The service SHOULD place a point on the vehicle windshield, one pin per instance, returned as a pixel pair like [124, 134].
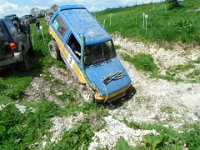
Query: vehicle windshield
[98, 53]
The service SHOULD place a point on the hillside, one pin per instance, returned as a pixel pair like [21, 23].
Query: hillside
[43, 109]
[163, 24]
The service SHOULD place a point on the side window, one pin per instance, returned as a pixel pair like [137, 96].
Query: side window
[2, 35]
[75, 46]
[59, 25]
[11, 28]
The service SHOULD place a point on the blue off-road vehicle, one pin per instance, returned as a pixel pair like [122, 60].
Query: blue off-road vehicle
[89, 52]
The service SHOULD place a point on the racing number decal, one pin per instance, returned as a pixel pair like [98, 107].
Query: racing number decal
[70, 61]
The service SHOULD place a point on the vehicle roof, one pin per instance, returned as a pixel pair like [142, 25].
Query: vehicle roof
[11, 15]
[83, 23]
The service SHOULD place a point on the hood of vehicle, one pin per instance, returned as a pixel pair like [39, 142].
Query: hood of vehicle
[108, 76]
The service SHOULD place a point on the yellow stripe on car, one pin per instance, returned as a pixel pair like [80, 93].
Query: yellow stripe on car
[101, 98]
[65, 53]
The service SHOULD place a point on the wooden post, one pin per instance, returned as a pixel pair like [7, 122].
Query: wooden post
[143, 16]
[104, 22]
[110, 20]
[42, 34]
[146, 17]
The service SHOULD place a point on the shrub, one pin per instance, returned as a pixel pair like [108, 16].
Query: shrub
[174, 4]
[122, 144]
[79, 137]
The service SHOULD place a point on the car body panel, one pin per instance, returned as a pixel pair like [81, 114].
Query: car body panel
[67, 57]
[98, 73]
[80, 22]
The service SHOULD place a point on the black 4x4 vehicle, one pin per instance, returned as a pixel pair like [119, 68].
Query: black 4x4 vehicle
[31, 18]
[14, 45]
[13, 17]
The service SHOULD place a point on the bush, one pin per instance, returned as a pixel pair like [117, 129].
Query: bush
[174, 4]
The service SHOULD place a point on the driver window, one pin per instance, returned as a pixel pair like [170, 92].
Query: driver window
[75, 46]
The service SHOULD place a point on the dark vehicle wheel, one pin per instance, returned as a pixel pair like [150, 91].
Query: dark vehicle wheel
[53, 49]
[25, 64]
[86, 94]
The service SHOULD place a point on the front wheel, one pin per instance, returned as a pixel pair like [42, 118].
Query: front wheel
[53, 49]
[87, 94]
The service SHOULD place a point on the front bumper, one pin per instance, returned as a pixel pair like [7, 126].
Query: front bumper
[113, 96]
[16, 58]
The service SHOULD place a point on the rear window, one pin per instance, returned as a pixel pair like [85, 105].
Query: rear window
[3, 34]
[12, 29]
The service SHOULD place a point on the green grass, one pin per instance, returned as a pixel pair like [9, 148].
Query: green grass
[168, 138]
[13, 82]
[122, 144]
[143, 62]
[79, 137]
[172, 72]
[19, 131]
[174, 25]
[22, 131]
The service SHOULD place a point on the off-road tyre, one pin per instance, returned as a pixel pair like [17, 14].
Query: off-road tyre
[25, 64]
[54, 50]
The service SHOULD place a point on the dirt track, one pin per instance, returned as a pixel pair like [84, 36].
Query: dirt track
[155, 100]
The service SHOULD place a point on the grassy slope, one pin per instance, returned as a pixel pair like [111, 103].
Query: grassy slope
[174, 25]
[19, 131]
[13, 81]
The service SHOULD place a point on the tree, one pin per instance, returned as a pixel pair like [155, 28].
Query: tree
[54, 8]
[173, 4]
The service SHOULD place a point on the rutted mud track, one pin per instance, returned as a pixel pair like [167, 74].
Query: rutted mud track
[156, 100]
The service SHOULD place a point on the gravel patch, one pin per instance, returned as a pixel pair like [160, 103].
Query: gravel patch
[60, 80]
[21, 108]
[63, 124]
[165, 58]
[2, 106]
[38, 89]
[107, 137]
[155, 94]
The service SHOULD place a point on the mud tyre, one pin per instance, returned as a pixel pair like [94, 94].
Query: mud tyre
[25, 64]
[87, 94]
[54, 50]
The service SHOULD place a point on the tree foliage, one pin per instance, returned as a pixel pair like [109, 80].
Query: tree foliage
[174, 4]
